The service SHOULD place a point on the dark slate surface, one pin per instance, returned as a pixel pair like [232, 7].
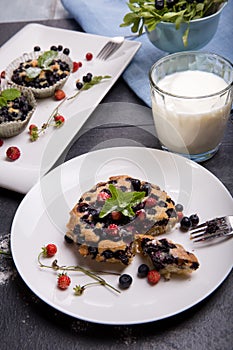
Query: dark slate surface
[28, 323]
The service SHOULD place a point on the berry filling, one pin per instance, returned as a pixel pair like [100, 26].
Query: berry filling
[58, 70]
[17, 109]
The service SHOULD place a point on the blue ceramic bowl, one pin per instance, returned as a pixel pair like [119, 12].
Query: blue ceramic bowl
[167, 38]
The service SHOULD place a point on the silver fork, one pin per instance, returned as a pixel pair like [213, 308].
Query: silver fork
[216, 228]
[110, 48]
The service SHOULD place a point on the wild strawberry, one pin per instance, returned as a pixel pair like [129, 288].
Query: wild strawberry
[75, 66]
[1, 142]
[59, 120]
[116, 215]
[153, 276]
[32, 127]
[102, 196]
[63, 281]
[151, 202]
[3, 74]
[59, 94]
[141, 214]
[113, 230]
[49, 250]
[180, 216]
[13, 153]
[33, 131]
[89, 56]
[80, 64]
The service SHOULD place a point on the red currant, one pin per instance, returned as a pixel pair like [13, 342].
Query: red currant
[89, 56]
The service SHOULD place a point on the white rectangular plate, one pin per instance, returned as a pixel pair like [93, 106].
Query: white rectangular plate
[37, 158]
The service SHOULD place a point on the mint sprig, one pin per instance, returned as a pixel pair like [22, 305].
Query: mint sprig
[44, 61]
[97, 79]
[34, 135]
[8, 95]
[121, 201]
[144, 13]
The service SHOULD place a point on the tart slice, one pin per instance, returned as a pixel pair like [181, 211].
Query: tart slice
[106, 218]
[166, 256]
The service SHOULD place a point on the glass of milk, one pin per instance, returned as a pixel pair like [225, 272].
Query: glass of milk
[191, 96]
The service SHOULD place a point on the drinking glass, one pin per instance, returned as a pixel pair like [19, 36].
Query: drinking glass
[189, 123]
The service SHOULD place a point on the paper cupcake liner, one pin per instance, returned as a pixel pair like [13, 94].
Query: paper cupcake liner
[13, 128]
[43, 92]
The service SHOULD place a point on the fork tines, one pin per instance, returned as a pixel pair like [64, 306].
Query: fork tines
[110, 48]
[209, 230]
[106, 51]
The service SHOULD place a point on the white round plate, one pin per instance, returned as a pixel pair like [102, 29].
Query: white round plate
[43, 214]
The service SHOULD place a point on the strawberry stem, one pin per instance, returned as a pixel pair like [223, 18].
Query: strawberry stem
[7, 253]
[86, 86]
[89, 273]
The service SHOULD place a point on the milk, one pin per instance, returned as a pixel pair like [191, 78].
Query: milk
[191, 123]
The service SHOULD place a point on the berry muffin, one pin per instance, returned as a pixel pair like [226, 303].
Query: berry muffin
[40, 72]
[16, 108]
[166, 256]
[107, 217]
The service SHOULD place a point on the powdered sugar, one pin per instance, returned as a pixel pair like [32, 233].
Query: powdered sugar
[7, 270]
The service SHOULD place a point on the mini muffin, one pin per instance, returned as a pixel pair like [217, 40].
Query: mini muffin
[40, 72]
[17, 106]
[108, 234]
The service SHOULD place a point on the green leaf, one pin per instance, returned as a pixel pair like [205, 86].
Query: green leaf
[121, 201]
[144, 11]
[33, 72]
[95, 80]
[3, 102]
[10, 94]
[185, 37]
[47, 58]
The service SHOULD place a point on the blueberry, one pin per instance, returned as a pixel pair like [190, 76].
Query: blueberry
[185, 223]
[66, 51]
[136, 184]
[93, 251]
[79, 85]
[125, 281]
[146, 188]
[82, 207]
[53, 48]
[170, 3]
[87, 78]
[159, 4]
[108, 254]
[194, 219]
[37, 48]
[60, 48]
[143, 270]
[179, 207]
[68, 239]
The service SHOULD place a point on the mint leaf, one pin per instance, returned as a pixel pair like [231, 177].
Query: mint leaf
[33, 72]
[47, 58]
[95, 80]
[3, 102]
[121, 201]
[10, 94]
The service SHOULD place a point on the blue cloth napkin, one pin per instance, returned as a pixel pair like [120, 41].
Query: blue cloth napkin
[103, 17]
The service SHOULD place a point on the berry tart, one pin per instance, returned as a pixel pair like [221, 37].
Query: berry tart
[166, 256]
[40, 72]
[107, 218]
[16, 108]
